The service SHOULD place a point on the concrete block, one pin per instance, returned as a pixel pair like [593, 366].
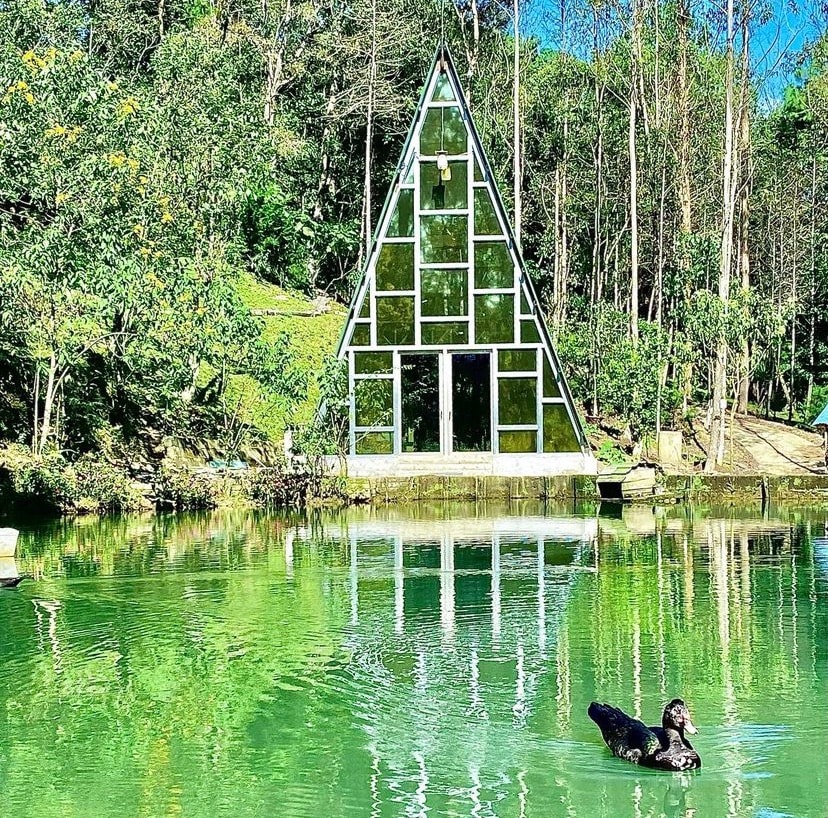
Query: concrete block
[670, 448]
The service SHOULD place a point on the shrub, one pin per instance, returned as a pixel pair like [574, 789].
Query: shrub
[819, 398]
[610, 452]
[274, 487]
[185, 490]
[103, 487]
[46, 481]
[51, 482]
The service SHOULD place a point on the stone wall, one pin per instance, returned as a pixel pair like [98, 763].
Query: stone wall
[672, 488]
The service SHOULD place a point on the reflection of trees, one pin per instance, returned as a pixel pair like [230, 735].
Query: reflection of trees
[161, 682]
[173, 682]
[710, 609]
[141, 544]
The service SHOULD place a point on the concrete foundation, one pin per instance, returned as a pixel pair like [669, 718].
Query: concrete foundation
[471, 464]
[722, 489]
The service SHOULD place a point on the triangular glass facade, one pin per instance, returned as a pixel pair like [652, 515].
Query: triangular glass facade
[446, 346]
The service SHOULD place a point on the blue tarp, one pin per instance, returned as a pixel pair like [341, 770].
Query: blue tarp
[822, 418]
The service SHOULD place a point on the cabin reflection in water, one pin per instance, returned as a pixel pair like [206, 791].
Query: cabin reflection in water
[441, 576]
[475, 638]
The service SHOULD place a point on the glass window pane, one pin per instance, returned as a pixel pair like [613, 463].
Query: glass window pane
[478, 173]
[550, 384]
[371, 362]
[518, 442]
[395, 267]
[517, 360]
[525, 309]
[493, 265]
[443, 239]
[444, 332]
[362, 335]
[529, 332]
[437, 193]
[485, 219]
[517, 401]
[375, 443]
[442, 90]
[558, 432]
[445, 292]
[494, 319]
[374, 402]
[402, 219]
[395, 320]
[443, 129]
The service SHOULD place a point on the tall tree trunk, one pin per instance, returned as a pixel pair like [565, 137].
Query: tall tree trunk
[812, 295]
[36, 416]
[683, 83]
[557, 290]
[631, 143]
[794, 297]
[48, 406]
[597, 243]
[715, 455]
[369, 137]
[561, 265]
[517, 170]
[662, 206]
[472, 48]
[744, 208]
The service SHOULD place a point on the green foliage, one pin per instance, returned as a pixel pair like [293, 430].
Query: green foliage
[102, 487]
[628, 382]
[275, 237]
[611, 453]
[278, 488]
[183, 489]
[50, 481]
[818, 401]
[165, 166]
[45, 481]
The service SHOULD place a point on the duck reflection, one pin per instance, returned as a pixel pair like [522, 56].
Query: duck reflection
[675, 798]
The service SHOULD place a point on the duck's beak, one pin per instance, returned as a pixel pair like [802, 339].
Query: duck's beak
[689, 726]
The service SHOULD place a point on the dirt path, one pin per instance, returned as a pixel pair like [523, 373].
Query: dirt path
[773, 448]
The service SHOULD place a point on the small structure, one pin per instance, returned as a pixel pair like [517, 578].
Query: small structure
[624, 483]
[821, 422]
[451, 369]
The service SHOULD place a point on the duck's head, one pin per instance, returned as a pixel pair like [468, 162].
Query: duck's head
[677, 716]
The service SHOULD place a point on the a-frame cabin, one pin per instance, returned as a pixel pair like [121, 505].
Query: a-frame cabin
[450, 366]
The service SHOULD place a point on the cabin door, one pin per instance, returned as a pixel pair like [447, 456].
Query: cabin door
[470, 402]
[420, 402]
[445, 402]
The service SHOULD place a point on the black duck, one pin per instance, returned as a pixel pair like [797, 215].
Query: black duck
[664, 748]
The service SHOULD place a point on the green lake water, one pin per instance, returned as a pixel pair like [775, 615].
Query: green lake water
[423, 661]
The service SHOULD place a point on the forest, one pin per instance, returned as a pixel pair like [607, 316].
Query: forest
[168, 166]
